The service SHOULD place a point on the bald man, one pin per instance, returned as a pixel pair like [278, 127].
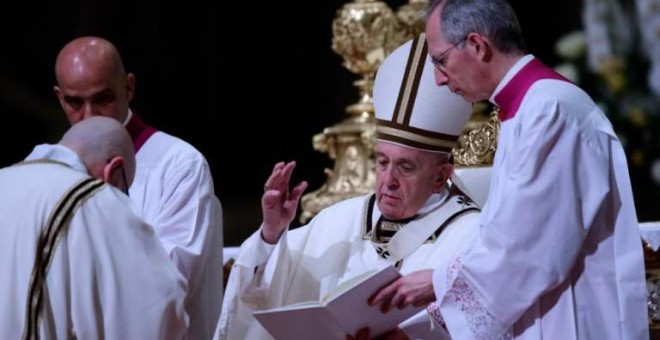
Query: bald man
[173, 188]
[75, 261]
[105, 149]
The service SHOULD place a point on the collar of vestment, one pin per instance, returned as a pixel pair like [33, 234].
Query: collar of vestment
[138, 130]
[56, 153]
[513, 87]
[426, 226]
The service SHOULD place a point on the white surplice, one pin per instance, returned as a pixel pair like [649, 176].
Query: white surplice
[109, 278]
[173, 191]
[559, 254]
[310, 261]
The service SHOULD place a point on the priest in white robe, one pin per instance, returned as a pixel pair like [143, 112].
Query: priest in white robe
[75, 261]
[413, 220]
[559, 254]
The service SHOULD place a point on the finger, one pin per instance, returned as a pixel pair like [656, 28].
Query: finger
[286, 174]
[388, 300]
[298, 191]
[385, 294]
[291, 203]
[397, 300]
[403, 304]
[278, 165]
[385, 307]
[424, 299]
[274, 178]
[270, 199]
[278, 179]
[277, 169]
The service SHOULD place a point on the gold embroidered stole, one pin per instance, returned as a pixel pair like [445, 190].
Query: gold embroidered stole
[413, 234]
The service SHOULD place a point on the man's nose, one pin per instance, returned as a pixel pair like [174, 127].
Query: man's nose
[89, 110]
[390, 176]
[440, 77]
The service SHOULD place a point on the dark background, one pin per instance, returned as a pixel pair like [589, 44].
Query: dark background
[194, 60]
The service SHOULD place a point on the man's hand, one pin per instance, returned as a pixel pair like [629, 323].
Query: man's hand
[278, 205]
[414, 289]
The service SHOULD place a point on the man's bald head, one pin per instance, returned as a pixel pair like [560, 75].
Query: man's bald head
[92, 81]
[85, 52]
[105, 148]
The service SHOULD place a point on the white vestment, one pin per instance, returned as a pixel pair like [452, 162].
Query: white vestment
[109, 277]
[173, 191]
[559, 254]
[335, 246]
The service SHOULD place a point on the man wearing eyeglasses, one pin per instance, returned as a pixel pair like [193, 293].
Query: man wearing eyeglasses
[559, 254]
[75, 260]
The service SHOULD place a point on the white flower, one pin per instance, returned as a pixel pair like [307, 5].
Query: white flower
[572, 45]
[569, 71]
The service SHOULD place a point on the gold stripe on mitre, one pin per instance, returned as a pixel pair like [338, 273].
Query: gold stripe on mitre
[414, 137]
[410, 82]
[397, 129]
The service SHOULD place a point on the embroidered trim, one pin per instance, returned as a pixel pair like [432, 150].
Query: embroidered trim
[458, 214]
[482, 324]
[385, 231]
[367, 223]
[55, 229]
[434, 311]
[41, 161]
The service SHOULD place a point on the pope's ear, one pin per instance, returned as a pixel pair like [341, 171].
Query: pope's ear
[444, 172]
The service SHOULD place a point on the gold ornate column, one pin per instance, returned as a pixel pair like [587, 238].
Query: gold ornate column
[411, 17]
[364, 33]
[478, 142]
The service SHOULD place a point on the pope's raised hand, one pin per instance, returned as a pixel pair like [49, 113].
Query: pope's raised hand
[279, 204]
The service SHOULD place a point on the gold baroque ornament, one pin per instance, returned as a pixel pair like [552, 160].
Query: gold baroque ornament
[350, 144]
[363, 33]
[412, 17]
[478, 142]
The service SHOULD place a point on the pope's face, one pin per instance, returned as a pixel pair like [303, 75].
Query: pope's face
[405, 179]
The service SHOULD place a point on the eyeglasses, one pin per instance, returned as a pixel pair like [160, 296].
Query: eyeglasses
[440, 62]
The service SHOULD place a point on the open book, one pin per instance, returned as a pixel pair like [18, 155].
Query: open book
[343, 311]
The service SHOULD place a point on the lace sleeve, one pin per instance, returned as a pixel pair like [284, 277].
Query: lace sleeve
[463, 299]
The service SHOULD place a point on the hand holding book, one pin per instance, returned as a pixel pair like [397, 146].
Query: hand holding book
[342, 312]
[414, 289]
